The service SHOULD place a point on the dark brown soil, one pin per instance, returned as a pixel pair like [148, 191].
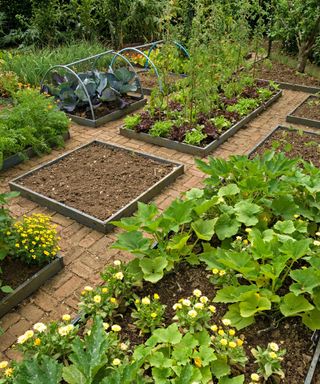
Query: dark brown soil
[289, 334]
[310, 109]
[14, 273]
[283, 73]
[149, 80]
[303, 145]
[104, 108]
[97, 179]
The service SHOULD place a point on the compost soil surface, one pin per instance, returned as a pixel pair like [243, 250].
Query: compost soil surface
[283, 73]
[97, 179]
[302, 144]
[14, 273]
[310, 109]
[290, 334]
[149, 80]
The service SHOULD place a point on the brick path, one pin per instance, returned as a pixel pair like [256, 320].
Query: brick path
[86, 251]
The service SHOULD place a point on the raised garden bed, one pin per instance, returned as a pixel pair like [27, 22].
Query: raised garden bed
[288, 78]
[150, 81]
[107, 113]
[35, 277]
[18, 158]
[294, 142]
[197, 150]
[97, 183]
[307, 113]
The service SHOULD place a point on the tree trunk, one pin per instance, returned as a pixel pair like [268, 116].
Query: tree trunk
[303, 57]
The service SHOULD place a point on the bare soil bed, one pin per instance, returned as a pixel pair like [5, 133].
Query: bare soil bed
[10, 277]
[283, 73]
[290, 334]
[97, 179]
[150, 80]
[310, 109]
[295, 144]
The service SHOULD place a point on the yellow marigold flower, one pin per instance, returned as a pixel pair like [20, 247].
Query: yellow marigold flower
[88, 288]
[177, 306]
[221, 332]
[29, 334]
[97, 299]
[106, 326]
[203, 299]
[192, 313]
[3, 364]
[239, 342]
[245, 242]
[17, 245]
[8, 233]
[212, 308]
[156, 296]
[113, 300]
[119, 275]
[274, 347]
[8, 372]
[238, 238]
[226, 322]
[199, 306]
[145, 301]
[37, 341]
[22, 339]
[123, 347]
[116, 328]
[214, 328]
[222, 272]
[117, 263]
[137, 301]
[232, 332]
[198, 362]
[273, 355]
[186, 302]
[66, 317]
[255, 377]
[154, 315]
[232, 344]
[40, 327]
[224, 342]
[215, 271]
[104, 290]
[116, 362]
[197, 293]
[316, 242]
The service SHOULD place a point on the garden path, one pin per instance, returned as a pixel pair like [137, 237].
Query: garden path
[87, 251]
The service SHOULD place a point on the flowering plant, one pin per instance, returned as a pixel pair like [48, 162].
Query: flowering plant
[148, 313]
[53, 339]
[269, 360]
[194, 312]
[227, 344]
[97, 301]
[35, 239]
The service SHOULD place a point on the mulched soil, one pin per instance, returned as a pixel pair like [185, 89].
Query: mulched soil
[149, 80]
[305, 145]
[97, 179]
[310, 109]
[104, 108]
[289, 334]
[283, 73]
[9, 276]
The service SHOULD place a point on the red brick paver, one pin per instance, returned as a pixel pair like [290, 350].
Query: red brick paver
[86, 252]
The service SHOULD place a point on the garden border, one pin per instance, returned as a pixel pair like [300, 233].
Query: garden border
[110, 116]
[295, 87]
[27, 153]
[100, 225]
[192, 149]
[31, 285]
[251, 152]
[303, 120]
